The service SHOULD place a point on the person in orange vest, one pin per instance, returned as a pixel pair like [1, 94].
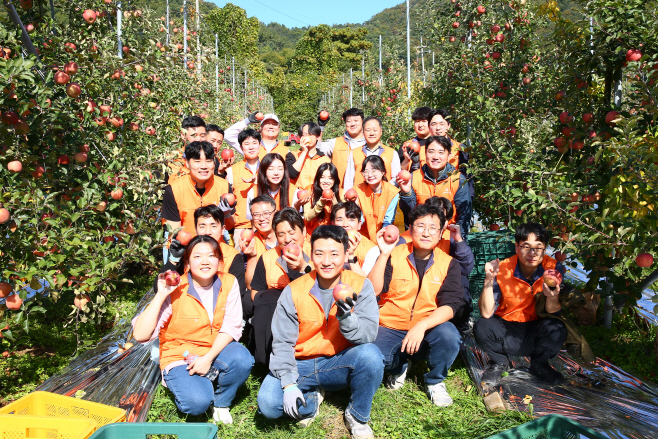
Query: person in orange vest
[341, 149]
[262, 210]
[409, 160]
[273, 180]
[420, 290]
[242, 177]
[202, 316]
[193, 129]
[304, 163]
[317, 209]
[377, 198]
[320, 344]
[438, 178]
[372, 130]
[349, 216]
[509, 323]
[269, 131]
[275, 269]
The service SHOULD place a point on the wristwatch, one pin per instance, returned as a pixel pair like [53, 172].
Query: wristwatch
[353, 260]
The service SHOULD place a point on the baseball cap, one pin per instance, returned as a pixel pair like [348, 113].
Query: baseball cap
[270, 116]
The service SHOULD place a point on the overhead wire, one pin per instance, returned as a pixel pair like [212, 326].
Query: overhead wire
[268, 6]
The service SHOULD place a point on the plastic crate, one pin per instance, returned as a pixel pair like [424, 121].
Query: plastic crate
[549, 427]
[140, 430]
[42, 427]
[64, 407]
[487, 246]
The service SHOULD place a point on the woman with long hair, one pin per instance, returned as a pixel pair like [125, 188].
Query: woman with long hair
[273, 180]
[318, 210]
[377, 197]
[199, 323]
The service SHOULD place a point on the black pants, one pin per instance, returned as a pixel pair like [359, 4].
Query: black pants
[264, 307]
[540, 339]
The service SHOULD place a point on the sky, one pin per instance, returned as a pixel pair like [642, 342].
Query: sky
[300, 13]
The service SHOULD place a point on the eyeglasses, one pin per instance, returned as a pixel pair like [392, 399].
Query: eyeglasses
[537, 251]
[420, 228]
[262, 215]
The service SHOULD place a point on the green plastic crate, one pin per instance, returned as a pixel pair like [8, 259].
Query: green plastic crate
[141, 430]
[549, 427]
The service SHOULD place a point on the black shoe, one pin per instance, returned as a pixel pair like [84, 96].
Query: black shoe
[545, 372]
[493, 373]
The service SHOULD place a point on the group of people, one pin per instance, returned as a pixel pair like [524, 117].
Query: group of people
[268, 298]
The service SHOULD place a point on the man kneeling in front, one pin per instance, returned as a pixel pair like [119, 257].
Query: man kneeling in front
[321, 344]
[509, 323]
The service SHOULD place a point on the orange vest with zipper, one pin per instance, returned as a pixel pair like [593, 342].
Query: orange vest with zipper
[280, 148]
[319, 336]
[359, 157]
[339, 158]
[259, 245]
[362, 249]
[326, 219]
[454, 154]
[275, 275]
[241, 191]
[309, 169]
[188, 199]
[446, 188]
[518, 298]
[277, 199]
[228, 255]
[189, 328]
[374, 207]
[404, 305]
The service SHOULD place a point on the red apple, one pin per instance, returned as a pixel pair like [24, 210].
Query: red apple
[494, 227]
[247, 236]
[644, 260]
[566, 117]
[560, 257]
[227, 154]
[303, 194]
[15, 166]
[89, 16]
[150, 131]
[81, 300]
[328, 194]
[404, 176]
[106, 110]
[588, 117]
[116, 194]
[352, 234]
[500, 38]
[73, 89]
[71, 68]
[184, 237]
[342, 292]
[4, 215]
[495, 29]
[61, 78]
[172, 278]
[560, 142]
[259, 116]
[292, 249]
[14, 302]
[81, 157]
[391, 234]
[111, 136]
[324, 115]
[633, 55]
[5, 289]
[230, 199]
[481, 9]
[552, 278]
[611, 117]
[351, 195]
[455, 25]
[63, 160]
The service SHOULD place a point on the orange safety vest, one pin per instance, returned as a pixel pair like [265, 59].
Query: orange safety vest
[277, 199]
[362, 249]
[359, 157]
[259, 244]
[189, 328]
[404, 305]
[178, 167]
[228, 255]
[241, 190]
[276, 275]
[188, 199]
[309, 169]
[339, 158]
[518, 298]
[446, 188]
[454, 154]
[374, 206]
[280, 148]
[316, 222]
[319, 336]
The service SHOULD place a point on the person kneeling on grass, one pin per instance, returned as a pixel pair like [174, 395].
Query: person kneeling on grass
[420, 290]
[202, 315]
[320, 344]
[509, 323]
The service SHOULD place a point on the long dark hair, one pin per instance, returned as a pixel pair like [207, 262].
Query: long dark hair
[264, 186]
[317, 190]
[202, 239]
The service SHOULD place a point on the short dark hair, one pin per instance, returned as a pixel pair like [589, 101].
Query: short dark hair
[336, 233]
[352, 210]
[423, 210]
[441, 140]
[376, 162]
[441, 203]
[525, 230]
[215, 128]
[353, 112]
[313, 129]
[193, 150]
[248, 133]
[193, 122]
[209, 210]
[369, 118]
[288, 215]
[441, 112]
[422, 113]
[263, 199]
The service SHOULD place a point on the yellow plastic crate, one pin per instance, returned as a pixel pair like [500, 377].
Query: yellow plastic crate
[58, 406]
[43, 427]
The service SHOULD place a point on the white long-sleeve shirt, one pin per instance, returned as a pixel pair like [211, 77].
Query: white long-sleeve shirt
[231, 136]
[328, 149]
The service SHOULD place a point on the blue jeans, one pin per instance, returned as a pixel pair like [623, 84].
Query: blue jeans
[440, 347]
[194, 393]
[359, 367]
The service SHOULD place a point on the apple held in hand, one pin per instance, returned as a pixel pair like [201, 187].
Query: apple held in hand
[292, 250]
[172, 278]
[351, 195]
[404, 176]
[247, 236]
[391, 234]
[230, 199]
[324, 115]
[303, 194]
[184, 237]
[342, 292]
[227, 154]
[328, 194]
[552, 278]
[352, 234]
[259, 116]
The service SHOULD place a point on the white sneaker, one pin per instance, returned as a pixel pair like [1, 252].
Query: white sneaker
[395, 382]
[358, 429]
[439, 395]
[223, 415]
[307, 421]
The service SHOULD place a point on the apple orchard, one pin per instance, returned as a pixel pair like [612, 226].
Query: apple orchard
[85, 135]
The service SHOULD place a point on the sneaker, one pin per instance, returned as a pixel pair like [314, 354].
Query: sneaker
[307, 421]
[439, 394]
[493, 373]
[357, 428]
[395, 382]
[223, 415]
[545, 372]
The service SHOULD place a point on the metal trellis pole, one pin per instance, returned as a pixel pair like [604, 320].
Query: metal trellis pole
[380, 53]
[245, 91]
[233, 83]
[217, 71]
[363, 78]
[198, 41]
[351, 105]
[168, 36]
[408, 52]
[185, 33]
[119, 30]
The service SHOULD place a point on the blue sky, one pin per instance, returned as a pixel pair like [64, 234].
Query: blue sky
[299, 13]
